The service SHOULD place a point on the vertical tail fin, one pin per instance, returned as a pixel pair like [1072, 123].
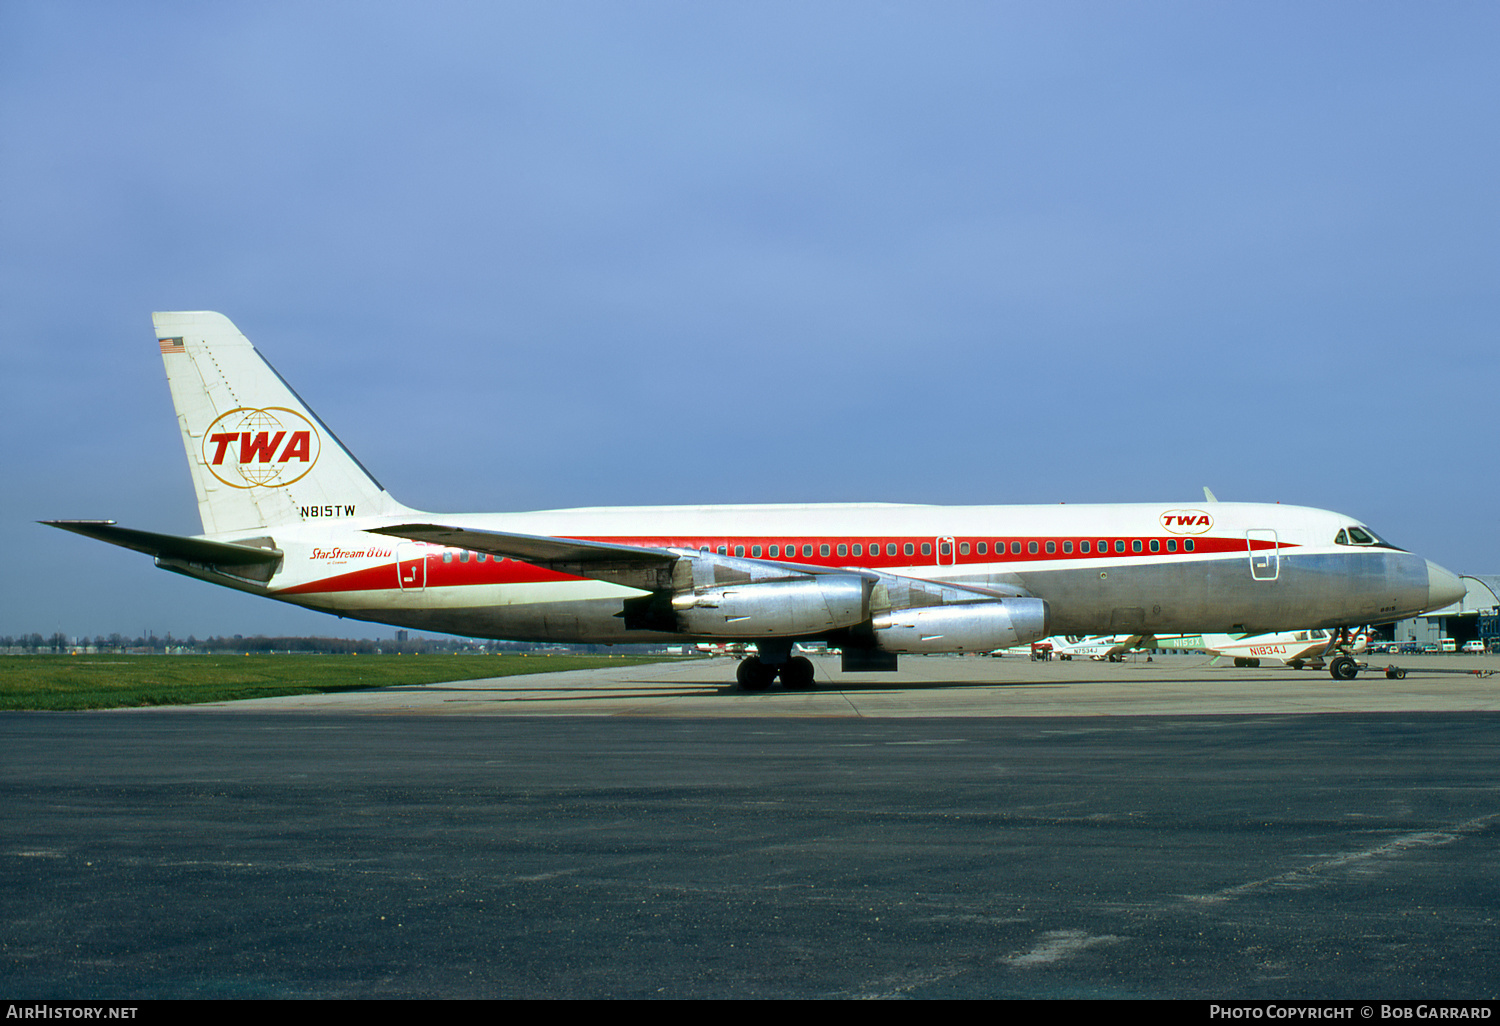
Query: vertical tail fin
[259, 457]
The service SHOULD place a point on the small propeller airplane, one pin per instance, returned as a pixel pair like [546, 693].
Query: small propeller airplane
[1297, 649]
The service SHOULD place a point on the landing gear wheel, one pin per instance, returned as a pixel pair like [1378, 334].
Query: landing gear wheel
[797, 674]
[1343, 668]
[754, 675]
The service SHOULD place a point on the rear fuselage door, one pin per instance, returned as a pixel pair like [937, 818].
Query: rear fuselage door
[411, 566]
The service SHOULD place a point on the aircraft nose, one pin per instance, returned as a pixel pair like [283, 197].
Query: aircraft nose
[1443, 588]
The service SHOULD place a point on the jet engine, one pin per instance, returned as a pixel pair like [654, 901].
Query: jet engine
[787, 607]
[964, 627]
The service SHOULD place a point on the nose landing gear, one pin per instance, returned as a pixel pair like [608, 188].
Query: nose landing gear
[1343, 665]
[1344, 668]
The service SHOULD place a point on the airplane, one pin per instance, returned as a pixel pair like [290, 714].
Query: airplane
[1101, 647]
[1114, 647]
[1294, 648]
[289, 513]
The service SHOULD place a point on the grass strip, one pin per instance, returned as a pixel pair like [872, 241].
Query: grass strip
[60, 682]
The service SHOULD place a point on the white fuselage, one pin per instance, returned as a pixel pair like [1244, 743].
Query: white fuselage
[1140, 568]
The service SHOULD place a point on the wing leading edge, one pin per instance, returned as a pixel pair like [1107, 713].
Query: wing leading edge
[662, 569]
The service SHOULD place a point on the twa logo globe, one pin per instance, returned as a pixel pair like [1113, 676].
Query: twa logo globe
[269, 448]
[1187, 521]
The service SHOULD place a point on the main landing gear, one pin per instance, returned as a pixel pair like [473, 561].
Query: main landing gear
[756, 674]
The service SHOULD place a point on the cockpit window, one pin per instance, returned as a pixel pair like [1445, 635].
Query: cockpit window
[1360, 536]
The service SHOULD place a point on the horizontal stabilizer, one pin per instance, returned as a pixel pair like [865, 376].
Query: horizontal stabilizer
[177, 547]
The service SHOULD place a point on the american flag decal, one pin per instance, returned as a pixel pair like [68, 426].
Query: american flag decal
[172, 345]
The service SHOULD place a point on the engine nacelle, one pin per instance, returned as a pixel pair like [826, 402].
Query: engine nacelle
[965, 627]
[784, 608]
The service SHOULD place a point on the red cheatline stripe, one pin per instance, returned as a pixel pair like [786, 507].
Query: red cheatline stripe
[457, 573]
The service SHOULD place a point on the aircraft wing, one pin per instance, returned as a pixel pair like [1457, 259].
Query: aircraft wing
[657, 569]
[532, 548]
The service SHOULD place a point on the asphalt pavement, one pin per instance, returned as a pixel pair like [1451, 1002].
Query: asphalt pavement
[1176, 831]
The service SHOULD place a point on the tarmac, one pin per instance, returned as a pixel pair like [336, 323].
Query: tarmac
[943, 686]
[967, 828]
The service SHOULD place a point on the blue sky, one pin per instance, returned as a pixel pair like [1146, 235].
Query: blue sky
[537, 255]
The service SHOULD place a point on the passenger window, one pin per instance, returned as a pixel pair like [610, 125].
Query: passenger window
[1187, 545]
[1135, 546]
[859, 550]
[775, 551]
[843, 550]
[1119, 545]
[945, 549]
[1051, 547]
[890, 548]
[823, 549]
[963, 548]
[927, 548]
[1155, 545]
[982, 549]
[447, 557]
[807, 550]
[739, 550]
[1068, 548]
[1084, 547]
[1015, 548]
[1171, 544]
[907, 549]
[755, 552]
[723, 550]
[463, 557]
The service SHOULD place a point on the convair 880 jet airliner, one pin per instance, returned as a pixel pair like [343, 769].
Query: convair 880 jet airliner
[289, 513]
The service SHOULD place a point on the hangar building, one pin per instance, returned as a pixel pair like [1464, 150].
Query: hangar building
[1475, 617]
